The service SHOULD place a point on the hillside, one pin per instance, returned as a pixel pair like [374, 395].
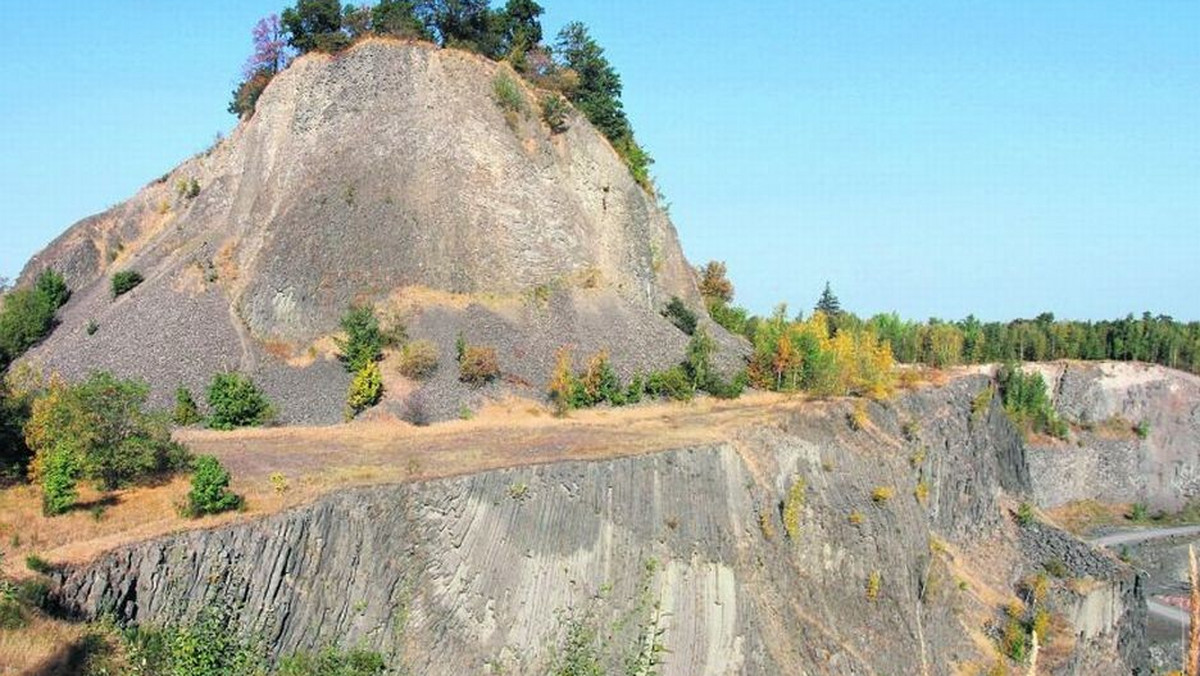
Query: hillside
[387, 173]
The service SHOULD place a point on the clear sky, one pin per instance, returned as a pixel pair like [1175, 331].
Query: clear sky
[931, 158]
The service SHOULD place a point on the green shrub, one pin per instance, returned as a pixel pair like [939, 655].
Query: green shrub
[210, 645]
[670, 384]
[187, 188]
[185, 413]
[97, 430]
[12, 614]
[235, 401]
[333, 662]
[92, 327]
[1027, 403]
[363, 343]
[125, 281]
[683, 318]
[1025, 515]
[38, 565]
[1142, 430]
[27, 315]
[554, 112]
[730, 317]
[418, 359]
[479, 365]
[793, 509]
[210, 489]
[508, 95]
[366, 390]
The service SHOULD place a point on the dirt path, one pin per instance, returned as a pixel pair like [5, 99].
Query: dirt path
[1142, 535]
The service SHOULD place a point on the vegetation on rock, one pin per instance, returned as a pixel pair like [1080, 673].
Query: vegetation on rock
[125, 281]
[27, 315]
[235, 401]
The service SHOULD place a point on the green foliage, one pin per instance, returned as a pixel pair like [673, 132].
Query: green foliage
[333, 662]
[1142, 430]
[245, 97]
[1027, 402]
[555, 110]
[793, 509]
[679, 315]
[1025, 515]
[97, 430]
[59, 479]
[508, 95]
[235, 401]
[1139, 513]
[27, 315]
[730, 317]
[479, 365]
[366, 390]
[187, 188]
[14, 412]
[673, 384]
[363, 343]
[38, 565]
[208, 646]
[315, 25]
[828, 303]
[210, 489]
[125, 281]
[185, 413]
[418, 359]
[397, 18]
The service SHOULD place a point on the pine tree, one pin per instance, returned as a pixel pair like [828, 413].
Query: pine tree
[828, 303]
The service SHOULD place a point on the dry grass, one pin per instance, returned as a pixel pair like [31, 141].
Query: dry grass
[1083, 516]
[34, 648]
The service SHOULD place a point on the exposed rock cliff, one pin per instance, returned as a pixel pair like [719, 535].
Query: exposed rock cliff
[386, 173]
[798, 547]
[1107, 459]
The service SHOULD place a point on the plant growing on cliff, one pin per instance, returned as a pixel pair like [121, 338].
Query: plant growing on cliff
[27, 315]
[874, 585]
[366, 390]
[210, 645]
[679, 315]
[1142, 430]
[508, 95]
[363, 341]
[793, 508]
[125, 281]
[1027, 403]
[235, 401]
[418, 359]
[333, 662]
[210, 492]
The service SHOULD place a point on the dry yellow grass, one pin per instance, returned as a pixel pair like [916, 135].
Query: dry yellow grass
[33, 648]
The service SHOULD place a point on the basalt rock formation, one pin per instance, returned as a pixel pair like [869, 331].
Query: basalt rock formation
[799, 546]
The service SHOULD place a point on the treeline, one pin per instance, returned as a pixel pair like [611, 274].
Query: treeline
[574, 66]
[941, 344]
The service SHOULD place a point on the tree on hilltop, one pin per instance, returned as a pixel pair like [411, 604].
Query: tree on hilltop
[828, 302]
[398, 18]
[315, 25]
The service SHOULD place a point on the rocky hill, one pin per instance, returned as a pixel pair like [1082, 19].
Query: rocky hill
[388, 173]
[798, 544]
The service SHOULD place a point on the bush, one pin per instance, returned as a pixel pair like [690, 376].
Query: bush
[125, 281]
[683, 318]
[208, 646]
[186, 413]
[1025, 515]
[38, 565]
[882, 494]
[670, 384]
[418, 359]
[732, 318]
[1142, 430]
[1027, 403]
[235, 401]
[27, 315]
[793, 509]
[363, 343]
[507, 94]
[479, 365]
[554, 112]
[365, 390]
[333, 662]
[97, 430]
[210, 489]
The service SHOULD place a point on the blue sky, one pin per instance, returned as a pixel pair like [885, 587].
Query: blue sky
[930, 158]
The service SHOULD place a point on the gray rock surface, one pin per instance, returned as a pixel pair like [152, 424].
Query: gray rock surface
[1105, 460]
[387, 167]
[478, 574]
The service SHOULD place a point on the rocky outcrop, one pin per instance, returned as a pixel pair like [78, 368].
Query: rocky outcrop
[387, 173]
[1107, 459]
[799, 546]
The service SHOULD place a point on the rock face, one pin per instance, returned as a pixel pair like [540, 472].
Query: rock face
[387, 173]
[766, 554]
[1107, 460]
